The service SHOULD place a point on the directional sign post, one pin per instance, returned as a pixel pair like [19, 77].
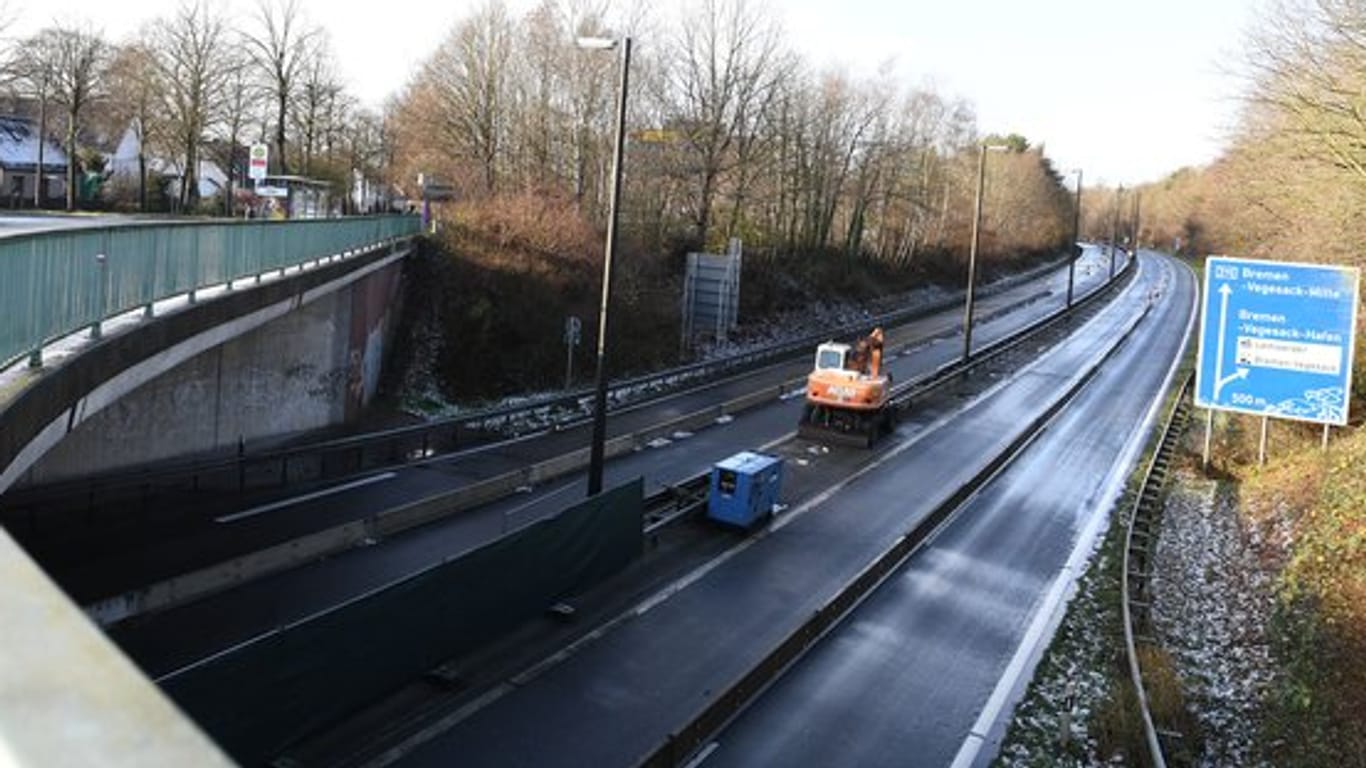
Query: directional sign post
[573, 332]
[1276, 339]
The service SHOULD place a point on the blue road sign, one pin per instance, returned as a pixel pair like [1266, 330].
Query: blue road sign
[1276, 339]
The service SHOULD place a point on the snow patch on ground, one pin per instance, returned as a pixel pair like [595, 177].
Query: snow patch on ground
[783, 327]
[1213, 601]
[421, 394]
[1052, 724]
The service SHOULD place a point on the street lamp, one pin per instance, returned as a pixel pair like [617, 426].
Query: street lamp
[1114, 230]
[1137, 220]
[1075, 250]
[972, 252]
[595, 460]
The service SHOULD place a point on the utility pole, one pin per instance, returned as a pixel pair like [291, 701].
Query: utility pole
[597, 448]
[1137, 220]
[1075, 250]
[1114, 229]
[972, 250]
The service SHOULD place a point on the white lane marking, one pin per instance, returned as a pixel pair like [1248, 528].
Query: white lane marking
[281, 504]
[1083, 550]
[668, 591]
[703, 755]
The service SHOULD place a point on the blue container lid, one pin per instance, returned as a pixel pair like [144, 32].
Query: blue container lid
[747, 462]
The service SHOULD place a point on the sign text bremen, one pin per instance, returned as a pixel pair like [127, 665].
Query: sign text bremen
[1276, 339]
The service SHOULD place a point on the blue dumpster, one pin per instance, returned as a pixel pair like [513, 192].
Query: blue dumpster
[744, 488]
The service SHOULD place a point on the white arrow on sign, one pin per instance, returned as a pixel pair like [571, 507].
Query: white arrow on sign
[1219, 378]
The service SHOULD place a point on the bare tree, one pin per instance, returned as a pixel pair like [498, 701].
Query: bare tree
[191, 49]
[731, 134]
[279, 49]
[1308, 68]
[722, 69]
[135, 91]
[314, 108]
[80, 57]
[465, 83]
[239, 94]
[33, 70]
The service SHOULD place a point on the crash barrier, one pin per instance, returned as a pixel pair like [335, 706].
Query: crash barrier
[317, 462]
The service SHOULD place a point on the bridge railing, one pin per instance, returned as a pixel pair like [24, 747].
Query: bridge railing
[56, 283]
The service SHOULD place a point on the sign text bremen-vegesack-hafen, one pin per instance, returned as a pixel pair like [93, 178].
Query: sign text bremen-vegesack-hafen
[1276, 339]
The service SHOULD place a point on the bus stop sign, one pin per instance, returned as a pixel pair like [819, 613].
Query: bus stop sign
[1276, 339]
[257, 158]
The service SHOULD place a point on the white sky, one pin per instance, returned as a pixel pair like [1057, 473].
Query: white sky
[1127, 90]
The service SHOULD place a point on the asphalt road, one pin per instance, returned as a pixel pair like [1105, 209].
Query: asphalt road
[618, 697]
[170, 640]
[138, 548]
[905, 679]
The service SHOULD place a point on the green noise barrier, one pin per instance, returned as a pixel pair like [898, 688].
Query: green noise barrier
[263, 696]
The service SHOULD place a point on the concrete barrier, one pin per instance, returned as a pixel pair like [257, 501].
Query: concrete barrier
[441, 505]
[217, 578]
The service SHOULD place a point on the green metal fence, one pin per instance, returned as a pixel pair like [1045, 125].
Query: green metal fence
[56, 283]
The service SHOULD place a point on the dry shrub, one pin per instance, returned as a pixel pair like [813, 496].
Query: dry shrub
[543, 234]
[1167, 703]
[1317, 709]
[1119, 726]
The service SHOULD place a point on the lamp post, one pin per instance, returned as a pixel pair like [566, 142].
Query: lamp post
[1114, 229]
[1138, 199]
[596, 451]
[1075, 250]
[972, 251]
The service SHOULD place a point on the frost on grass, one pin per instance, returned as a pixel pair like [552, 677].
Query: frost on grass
[1054, 724]
[1212, 603]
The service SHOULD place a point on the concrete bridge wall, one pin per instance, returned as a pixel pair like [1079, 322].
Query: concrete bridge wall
[292, 354]
[313, 367]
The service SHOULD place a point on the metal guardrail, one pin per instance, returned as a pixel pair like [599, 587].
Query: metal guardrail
[685, 498]
[903, 394]
[340, 457]
[681, 745]
[1135, 576]
[55, 283]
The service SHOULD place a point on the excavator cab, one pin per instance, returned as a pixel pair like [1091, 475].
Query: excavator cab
[847, 393]
[831, 356]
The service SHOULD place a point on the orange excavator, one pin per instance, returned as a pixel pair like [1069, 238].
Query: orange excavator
[847, 394]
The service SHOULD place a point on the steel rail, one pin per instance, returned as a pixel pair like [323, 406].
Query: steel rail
[1134, 576]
